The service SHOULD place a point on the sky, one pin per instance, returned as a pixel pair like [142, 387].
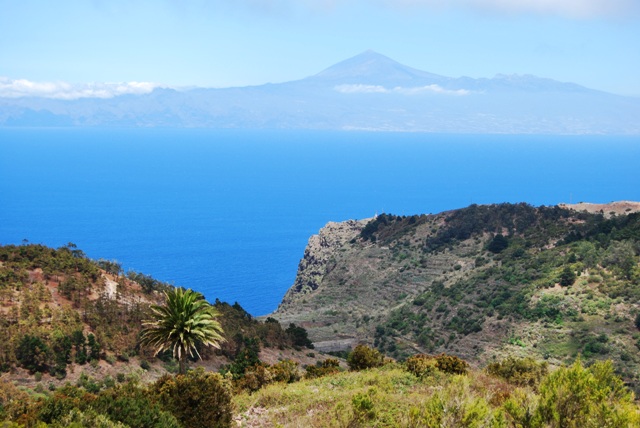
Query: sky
[80, 48]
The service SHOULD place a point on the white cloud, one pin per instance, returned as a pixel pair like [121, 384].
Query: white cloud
[430, 88]
[17, 88]
[377, 89]
[569, 8]
[360, 89]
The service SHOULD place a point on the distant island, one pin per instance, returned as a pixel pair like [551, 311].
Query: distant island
[368, 92]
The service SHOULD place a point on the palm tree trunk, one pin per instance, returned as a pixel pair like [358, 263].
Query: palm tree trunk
[182, 361]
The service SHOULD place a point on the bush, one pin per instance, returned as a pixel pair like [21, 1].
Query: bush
[255, 377]
[89, 419]
[64, 400]
[326, 367]
[285, 371]
[498, 244]
[421, 365]
[363, 406]
[32, 353]
[131, 404]
[577, 397]
[519, 371]
[14, 402]
[451, 364]
[299, 336]
[197, 399]
[454, 405]
[364, 357]
[567, 277]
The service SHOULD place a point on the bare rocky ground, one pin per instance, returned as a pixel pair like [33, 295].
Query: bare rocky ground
[617, 208]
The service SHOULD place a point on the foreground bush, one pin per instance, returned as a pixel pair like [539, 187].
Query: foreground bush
[364, 357]
[197, 399]
[456, 405]
[580, 397]
[132, 405]
[261, 374]
[451, 364]
[519, 371]
[424, 365]
[421, 365]
[326, 367]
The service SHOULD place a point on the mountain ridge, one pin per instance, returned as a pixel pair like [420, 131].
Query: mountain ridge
[366, 92]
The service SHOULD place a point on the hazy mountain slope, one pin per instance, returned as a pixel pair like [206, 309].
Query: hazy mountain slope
[480, 282]
[369, 91]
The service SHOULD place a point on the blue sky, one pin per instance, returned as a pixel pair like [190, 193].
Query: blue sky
[102, 46]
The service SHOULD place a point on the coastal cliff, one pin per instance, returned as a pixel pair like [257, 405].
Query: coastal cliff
[479, 282]
[318, 261]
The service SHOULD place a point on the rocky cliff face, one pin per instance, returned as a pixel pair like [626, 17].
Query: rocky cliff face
[345, 283]
[319, 255]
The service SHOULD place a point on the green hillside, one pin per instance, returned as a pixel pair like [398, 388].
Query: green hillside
[481, 282]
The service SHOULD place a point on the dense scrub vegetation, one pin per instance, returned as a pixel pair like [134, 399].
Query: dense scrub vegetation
[421, 393]
[425, 391]
[60, 310]
[539, 269]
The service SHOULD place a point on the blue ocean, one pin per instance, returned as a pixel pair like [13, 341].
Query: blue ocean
[229, 212]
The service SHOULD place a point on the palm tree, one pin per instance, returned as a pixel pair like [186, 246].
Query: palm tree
[185, 321]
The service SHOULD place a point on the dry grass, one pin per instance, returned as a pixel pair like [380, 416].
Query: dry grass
[385, 397]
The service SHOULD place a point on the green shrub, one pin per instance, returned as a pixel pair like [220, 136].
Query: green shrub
[32, 354]
[498, 244]
[197, 399]
[567, 277]
[364, 357]
[144, 364]
[132, 405]
[62, 401]
[326, 367]
[255, 377]
[363, 406]
[580, 397]
[86, 419]
[455, 405]
[299, 336]
[451, 364]
[519, 371]
[285, 371]
[421, 365]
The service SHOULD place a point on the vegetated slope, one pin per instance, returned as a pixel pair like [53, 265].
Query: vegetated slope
[513, 393]
[481, 282]
[63, 315]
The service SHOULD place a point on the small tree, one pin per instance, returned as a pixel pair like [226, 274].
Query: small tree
[498, 244]
[364, 357]
[184, 322]
[299, 336]
[32, 353]
[567, 277]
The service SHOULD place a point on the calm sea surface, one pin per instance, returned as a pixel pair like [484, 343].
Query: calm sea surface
[229, 213]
